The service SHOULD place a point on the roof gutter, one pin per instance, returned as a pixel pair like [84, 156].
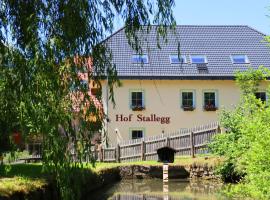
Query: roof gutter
[176, 77]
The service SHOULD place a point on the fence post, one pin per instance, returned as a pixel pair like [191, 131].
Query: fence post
[143, 150]
[117, 153]
[192, 144]
[103, 154]
[100, 153]
[95, 152]
[167, 141]
[218, 129]
[34, 149]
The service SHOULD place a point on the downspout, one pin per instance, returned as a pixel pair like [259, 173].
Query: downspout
[105, 129]
[107, 111]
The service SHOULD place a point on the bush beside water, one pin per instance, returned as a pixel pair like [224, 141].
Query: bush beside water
[246, 145]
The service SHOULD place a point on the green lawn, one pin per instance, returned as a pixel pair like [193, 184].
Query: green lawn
[186, 161]
[35, 170]
[9, 186]
[22, 170]
[21, 178]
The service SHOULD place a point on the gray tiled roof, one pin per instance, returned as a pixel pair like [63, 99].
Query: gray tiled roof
[218, 43]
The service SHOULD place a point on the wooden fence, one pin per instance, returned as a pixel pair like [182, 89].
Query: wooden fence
[185, 142]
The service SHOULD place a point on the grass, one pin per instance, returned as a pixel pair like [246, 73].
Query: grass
[22, 170]
[9, 186]
[210, 160]
[186, 161]
[28, 177]
[21, 178]
[35, 170]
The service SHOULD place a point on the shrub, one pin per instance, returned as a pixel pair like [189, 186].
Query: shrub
[246, 144]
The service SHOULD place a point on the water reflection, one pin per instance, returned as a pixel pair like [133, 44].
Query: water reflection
[155, 190]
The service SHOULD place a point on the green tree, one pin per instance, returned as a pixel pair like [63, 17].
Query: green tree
[245, 145]
[43, 47]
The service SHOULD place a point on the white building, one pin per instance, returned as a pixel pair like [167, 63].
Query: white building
[162, 93]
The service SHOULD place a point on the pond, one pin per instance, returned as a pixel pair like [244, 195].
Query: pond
[153, 189]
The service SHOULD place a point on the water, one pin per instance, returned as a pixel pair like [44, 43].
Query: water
[153, 189]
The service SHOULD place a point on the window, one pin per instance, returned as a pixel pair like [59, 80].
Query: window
[175, 59]
[198, 59]
[240, 59]
[136, 134]
[261, 96]
[137, 100]
[187, 100]
[210, 101]
[140, 59]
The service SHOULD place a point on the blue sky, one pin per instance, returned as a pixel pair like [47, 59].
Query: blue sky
[224, 12]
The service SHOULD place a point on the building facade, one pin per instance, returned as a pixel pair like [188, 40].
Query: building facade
[182, 84]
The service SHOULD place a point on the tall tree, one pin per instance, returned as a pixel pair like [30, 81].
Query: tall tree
[44, 45]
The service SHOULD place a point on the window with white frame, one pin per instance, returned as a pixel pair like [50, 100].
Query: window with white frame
[140, 59]
[187, 100]
[137, 134]
[239, 59]
[178, 59]
[210, 100]
[137, 100]
[261, 96]
[198, 59]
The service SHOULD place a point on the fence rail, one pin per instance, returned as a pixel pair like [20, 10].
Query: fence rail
[185, 142]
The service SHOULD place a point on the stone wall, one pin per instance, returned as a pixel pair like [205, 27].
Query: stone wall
[140, 172]
[202, 171]
[175, 172]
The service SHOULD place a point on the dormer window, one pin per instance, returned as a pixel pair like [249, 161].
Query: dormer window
[140, 59]
[198, 59]
[175, 59]
[240, 59]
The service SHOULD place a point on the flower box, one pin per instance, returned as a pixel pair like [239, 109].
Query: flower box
[210, 108]
[138, 108]
[188, 108]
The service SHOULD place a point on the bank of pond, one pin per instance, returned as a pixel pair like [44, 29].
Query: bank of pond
[191, 180]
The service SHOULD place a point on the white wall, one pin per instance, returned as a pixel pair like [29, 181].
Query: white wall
[162, 98]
